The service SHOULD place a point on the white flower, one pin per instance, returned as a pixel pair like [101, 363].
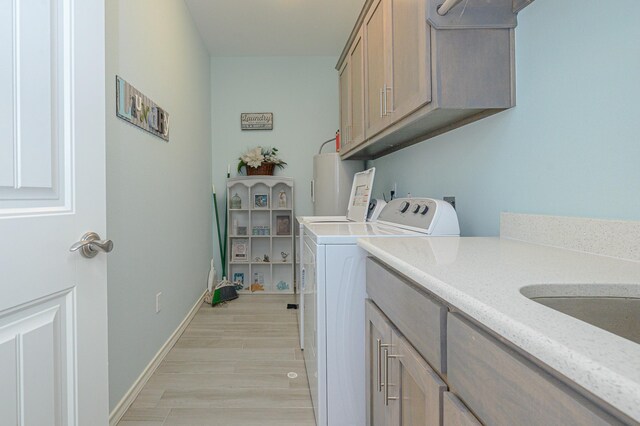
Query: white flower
[253, 157]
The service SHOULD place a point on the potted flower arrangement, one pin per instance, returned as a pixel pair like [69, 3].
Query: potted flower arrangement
[260, 161]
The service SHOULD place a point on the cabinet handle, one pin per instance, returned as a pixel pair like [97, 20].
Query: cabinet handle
[388, 398]
[379, 346]
[381, 107]
[384, 99]
[386, 110]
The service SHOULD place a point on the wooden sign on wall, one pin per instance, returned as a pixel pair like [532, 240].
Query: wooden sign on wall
[139, 110]
[256, 121]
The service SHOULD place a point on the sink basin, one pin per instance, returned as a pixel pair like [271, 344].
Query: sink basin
[615, 308]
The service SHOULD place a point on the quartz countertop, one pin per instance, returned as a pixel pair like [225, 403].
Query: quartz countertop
[483, 278]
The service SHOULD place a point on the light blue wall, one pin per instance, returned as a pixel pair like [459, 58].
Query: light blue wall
[158, 194]
[570, 147]
[302, 93]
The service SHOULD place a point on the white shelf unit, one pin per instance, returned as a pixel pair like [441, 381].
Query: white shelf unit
[269, 231]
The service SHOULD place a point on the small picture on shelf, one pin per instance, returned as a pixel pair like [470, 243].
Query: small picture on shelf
[282, 200]
[261, 201]
[239, 249]
[283, 225]
[238, 280]
[241, 230]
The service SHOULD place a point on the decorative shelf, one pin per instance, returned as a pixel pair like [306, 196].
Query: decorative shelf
[256, 200]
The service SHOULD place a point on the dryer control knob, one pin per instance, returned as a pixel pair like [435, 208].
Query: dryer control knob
[404, 206]
[424, 210]
[416, 208]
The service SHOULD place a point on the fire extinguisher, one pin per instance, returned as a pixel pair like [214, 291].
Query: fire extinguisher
[338, 141]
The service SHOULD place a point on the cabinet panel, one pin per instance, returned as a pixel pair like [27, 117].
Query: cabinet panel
[378, 335]
[375, 68]
[421, 319]
[402, 389]
[502, 387]
[419, 388]
[345, 110]
[410, 85]
[455, 413]
[356, 68]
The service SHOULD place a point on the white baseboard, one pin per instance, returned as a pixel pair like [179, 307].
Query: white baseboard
[137, 386]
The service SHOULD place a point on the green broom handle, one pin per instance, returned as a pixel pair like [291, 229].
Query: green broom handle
[215, 206]
[226, 228]
[224, 253]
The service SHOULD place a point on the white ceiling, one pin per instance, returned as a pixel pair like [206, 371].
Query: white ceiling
[275, 27]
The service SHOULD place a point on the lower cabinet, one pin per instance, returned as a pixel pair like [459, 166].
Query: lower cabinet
[455, 413]
[471, 378]
[402, 388]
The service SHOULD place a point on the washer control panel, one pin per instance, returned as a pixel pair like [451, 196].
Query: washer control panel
[427, 215]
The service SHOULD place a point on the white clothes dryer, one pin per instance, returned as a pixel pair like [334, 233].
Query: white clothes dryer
[334, 293]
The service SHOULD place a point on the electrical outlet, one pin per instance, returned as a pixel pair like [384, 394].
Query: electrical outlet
[393, 191]
[450, 200]
[158, 302]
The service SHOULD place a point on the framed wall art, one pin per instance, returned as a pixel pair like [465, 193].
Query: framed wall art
[256, 121]
[134, 107]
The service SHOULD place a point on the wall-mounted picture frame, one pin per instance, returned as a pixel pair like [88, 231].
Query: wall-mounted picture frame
[261, 201]
[256, 121]
[283, 225]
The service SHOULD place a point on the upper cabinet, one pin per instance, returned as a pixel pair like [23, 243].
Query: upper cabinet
[352, 95]
[408, 73]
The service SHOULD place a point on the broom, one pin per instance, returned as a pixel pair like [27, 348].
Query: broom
[224, 291]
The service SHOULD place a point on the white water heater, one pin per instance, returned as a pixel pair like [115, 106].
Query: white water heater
[331, 184]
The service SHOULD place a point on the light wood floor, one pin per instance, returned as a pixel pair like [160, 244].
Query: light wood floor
[230, 368]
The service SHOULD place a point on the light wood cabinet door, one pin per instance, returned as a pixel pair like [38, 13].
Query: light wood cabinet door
[376, 67]
[415, 390]
[345, 105]
[378, 338]
[455, 413]
[402, 389]
[410, 82]
[356, 69]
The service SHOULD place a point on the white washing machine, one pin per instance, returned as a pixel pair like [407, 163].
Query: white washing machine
[357, 211]
[334, 291]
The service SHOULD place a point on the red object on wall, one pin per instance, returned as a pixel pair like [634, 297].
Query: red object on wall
[338, 141]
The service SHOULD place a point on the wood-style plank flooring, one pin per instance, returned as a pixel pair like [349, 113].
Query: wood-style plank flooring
[230, 367]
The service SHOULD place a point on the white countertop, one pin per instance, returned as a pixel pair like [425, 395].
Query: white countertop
[482, 277]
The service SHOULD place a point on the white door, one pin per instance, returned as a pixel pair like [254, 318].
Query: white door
[53, 318]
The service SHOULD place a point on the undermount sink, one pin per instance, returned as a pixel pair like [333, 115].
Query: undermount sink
[615, 309]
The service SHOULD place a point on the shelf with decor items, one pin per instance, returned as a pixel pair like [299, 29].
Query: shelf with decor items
[260, 234]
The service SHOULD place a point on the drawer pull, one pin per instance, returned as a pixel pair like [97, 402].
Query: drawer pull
[388, 398]
[379, 346]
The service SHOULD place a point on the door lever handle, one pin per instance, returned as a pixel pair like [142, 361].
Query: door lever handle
[90, 245]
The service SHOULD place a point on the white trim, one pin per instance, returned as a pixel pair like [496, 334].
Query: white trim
[136, 387]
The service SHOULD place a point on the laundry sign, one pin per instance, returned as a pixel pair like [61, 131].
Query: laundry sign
[256, 121]
[139, 110]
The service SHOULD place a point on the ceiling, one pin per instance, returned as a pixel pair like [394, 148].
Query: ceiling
[275, 27]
